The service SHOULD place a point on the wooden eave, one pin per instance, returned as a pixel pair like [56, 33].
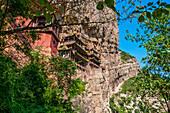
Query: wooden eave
[74, 42]
[63, 49]
[76, 38]
[81, 48]
[94, 50]
[91, 63]
[69, 43]
[95, 60]
[79, 55]
[94, 56]
[69, 36]
[81, 41]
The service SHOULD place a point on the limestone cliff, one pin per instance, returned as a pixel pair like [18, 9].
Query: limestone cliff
[105, 39]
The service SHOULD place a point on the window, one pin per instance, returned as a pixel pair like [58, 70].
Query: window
[41, 21]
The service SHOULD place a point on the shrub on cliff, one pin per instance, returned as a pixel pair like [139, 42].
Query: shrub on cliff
[125, 56]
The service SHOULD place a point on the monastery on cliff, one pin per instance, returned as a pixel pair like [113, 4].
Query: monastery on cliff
[71, 47]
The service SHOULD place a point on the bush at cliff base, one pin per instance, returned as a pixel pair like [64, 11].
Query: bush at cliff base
[30, 89]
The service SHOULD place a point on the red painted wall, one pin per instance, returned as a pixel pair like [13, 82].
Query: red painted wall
[46, 40]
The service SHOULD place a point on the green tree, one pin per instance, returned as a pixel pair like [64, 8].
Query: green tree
[39, 86]
[153, 80]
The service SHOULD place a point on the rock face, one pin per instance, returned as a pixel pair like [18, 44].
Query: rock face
[105, 39]
[102, 83]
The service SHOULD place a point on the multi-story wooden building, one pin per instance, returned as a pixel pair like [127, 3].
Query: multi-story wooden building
[75, 49]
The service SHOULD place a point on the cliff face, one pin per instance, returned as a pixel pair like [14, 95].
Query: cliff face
[105, 39]
[102, 83]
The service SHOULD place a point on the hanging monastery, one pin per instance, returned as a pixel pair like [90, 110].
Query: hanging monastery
[71, 47]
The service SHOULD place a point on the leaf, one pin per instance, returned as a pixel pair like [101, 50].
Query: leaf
[100, 5]
[158, 2]
[109, 3]
[154, 15]
[150, 3]
[158, 12]
[167, 6]
[163, 4]
[42, 2]
[165, 11]
[48, 17]
[137, 11]
[141, 7]
[141, 18]
[127, 31]
[140, 46]
[44, 11]
[23, 22]
[49, 7]
[38, 13]
[154, 6]
[148, 14]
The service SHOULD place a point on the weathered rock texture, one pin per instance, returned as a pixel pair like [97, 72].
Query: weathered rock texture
[105, 39]
[102, 83]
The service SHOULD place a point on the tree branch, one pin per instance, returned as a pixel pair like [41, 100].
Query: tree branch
[50, 25]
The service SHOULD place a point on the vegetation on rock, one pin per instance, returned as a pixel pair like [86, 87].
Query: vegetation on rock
[125, 56]
[151, 87]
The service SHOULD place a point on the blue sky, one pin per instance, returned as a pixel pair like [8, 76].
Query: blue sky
[126, 45]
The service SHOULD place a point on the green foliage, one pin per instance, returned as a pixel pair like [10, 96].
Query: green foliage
[135, 97]
[118, 103]
[153, 80]
[26, 9]
[152, 11]
[125, 56]
[108, 3]
[128, 86]
[141, 18]
[31, 89]
[100, 5]
[155, 38]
